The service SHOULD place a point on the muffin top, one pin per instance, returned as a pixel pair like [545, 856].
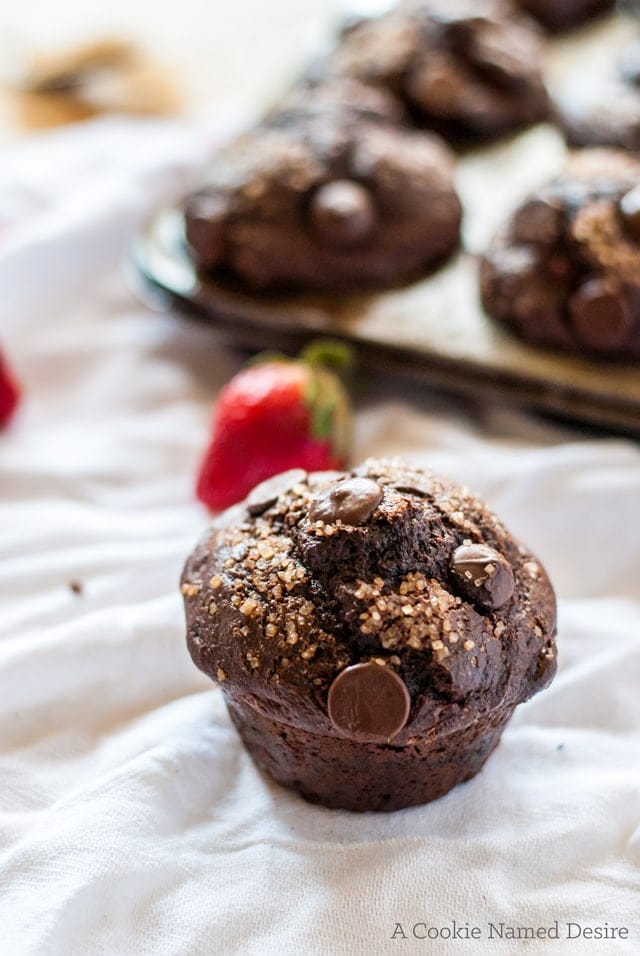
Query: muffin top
[565, 269]
[470, 69]
[387, 592]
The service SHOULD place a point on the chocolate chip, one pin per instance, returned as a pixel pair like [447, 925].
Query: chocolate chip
[600, 316]
[267, 492]
[350, 501]
[499, 65]
[538, 221]
[485, 576]
[343, 213]
[435, 86]
[368, 702]
[629, 207]
[459, 32]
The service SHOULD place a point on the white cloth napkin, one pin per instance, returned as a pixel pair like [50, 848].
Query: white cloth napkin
[131, 819]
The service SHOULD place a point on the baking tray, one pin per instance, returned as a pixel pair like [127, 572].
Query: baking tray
[434, 330]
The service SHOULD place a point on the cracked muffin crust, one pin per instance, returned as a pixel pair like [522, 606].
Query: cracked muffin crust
[326, 195]
[372, 632]
[470, 69]
[564, 271]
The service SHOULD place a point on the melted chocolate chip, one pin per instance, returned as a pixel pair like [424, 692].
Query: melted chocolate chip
[600, 316]
[368, 702]
[499, 65]
[343, 213]
[485, 576]
[351, 501]
[267, 492]
[434, 86]
[538, 221]
[629, 207]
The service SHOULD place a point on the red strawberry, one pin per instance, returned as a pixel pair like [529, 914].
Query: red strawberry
[276, 414]
[9, 393]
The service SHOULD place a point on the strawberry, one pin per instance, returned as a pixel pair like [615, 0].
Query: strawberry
[9, 393]
[276, 414]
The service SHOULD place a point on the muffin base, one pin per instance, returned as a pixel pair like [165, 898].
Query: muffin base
[344, 774]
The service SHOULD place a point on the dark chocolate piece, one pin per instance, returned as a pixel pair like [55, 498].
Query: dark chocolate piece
[266, 494]
[601, 316]
[483, 575]
[538, 220]
[368, 702]
[351, 501]
[343, 213]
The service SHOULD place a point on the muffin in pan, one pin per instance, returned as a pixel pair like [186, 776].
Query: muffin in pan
[564, 271]
[326, 195]
[372, 632]
[470, 69]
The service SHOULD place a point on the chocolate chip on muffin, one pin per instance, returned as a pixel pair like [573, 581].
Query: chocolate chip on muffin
[368, 702]
[565, 270]
[326, 198]
[600, 105]
[469, 69]
[484, 575]
[564, 14]
[372, 632]
[350, 501]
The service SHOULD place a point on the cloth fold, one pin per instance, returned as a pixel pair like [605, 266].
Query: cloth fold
[131, 819]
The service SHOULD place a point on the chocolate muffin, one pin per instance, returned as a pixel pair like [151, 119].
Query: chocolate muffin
[601, 106]
[565, 270]
[326, 195]
[372, 632]
[470, 69]
[564, 14]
